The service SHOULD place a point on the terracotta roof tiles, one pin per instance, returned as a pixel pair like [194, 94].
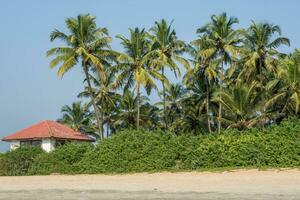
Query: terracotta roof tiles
[47, 129]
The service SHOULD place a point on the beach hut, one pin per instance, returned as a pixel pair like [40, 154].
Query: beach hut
[46, 134]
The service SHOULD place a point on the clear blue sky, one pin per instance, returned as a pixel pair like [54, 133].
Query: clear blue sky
[31, 92]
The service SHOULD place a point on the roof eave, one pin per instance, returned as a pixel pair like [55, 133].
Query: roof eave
[61, 138]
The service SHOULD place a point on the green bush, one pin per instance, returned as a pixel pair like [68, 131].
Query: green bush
[143, 151]
[63, 160]
[3, 169]
[278, 146]
[131, 151]
[18, 162]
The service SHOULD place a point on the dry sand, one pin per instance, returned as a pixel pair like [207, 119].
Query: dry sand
[240, 184]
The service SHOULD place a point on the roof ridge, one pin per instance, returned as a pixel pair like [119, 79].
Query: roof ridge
[49, 129]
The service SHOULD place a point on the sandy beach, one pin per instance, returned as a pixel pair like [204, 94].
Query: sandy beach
[245, 184]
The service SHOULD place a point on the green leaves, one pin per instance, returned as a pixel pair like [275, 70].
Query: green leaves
[132, 151]
[136, 60]
[78, 117]
[85, 41]
[18, 162]
[221, 57]
[286, 86]
[242, 103]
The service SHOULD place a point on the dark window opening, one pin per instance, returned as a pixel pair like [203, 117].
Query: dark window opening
[31, 143]
[59, 143]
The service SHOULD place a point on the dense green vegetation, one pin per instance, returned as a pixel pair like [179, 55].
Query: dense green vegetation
[62, 160]
[233, 77]
[18, 162]
[144, 151]
[229, 109]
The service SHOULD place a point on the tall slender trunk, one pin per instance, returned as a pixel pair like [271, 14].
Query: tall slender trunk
[96, 110]
[220, 105]
[164, 99]
[107, 129]
[207, 107]
[138, 107]
[102, 121]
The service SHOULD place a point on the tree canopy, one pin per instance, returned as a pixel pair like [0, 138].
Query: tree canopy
[231, 77]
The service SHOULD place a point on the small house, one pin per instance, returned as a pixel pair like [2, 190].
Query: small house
[46, 134]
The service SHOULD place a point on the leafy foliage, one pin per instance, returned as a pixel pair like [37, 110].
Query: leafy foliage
[131, 151]
[237, 83]
[234, 78]
[63, 160]
[143, 151]
[78, 118]
[18, 162]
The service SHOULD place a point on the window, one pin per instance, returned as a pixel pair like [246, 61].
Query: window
[25, 143]
[59, 143]
[31, 143]
[36, 143]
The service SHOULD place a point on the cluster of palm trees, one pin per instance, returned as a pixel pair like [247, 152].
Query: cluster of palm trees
[234, 78]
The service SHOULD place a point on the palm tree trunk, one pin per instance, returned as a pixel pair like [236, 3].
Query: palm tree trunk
[220, 105]
[207, 106]
[102, 121]
[164, 99]
[107, 129]
[96, 110]
[138, 107]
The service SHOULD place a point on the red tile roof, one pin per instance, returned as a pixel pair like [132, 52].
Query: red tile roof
[47, 129]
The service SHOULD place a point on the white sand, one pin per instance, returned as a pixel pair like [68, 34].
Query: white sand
[240, 182]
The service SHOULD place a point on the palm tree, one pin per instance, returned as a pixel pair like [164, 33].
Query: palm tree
[286, 86]
[260, 54]
[205, 67]
[173, 97]
[86, 44]
[150, 115]
[242, 103]
[125, 117]
[105, 96]
[134, 65]
[190, 120]
[224, 42]
[78, 118]
[168, 49]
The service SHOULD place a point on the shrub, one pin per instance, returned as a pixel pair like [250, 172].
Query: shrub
[3, 169]
[131, 151]
[18, 162]
[278, 146]
[144, 151]
[63, 160]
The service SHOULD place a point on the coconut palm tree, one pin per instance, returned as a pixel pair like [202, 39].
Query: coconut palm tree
[134, 65]
[78, 118]
[125, 117]
[242, 103]
[168, 49]
[150, 115]
[260, 54]
[224, 42]
[190, 120]
[205, 67]
[173, 97]
[286, 86]
[86, 44]
[105, 96]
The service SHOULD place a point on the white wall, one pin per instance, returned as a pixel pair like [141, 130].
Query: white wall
[48, 145]
[14, 145]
